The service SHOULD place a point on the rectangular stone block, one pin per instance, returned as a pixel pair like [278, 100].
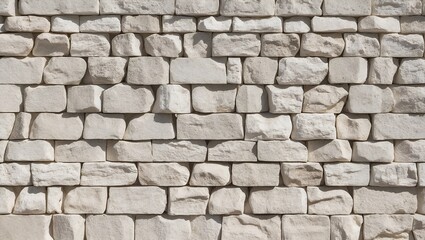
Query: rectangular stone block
[110, 226]
[15, 174]
[398, 126]
[346, 174]
[150, 126]
[266, 227]
[24, 227]
[156, 7]
[188, 200]
[281, 200]
[179, 151]
[136, 200]
[298, 8]
[59, 7]
[255, 174]
[80, 151]
[85, 200]
[197, 71]
[126, 151]
[242, 8]
[108, 174]
[236, 44]
[347, 7]
[22, 71]
[305, 227]
[282, 151]
[55, 174]
[232, 151]
[61, 126]
[30, 151]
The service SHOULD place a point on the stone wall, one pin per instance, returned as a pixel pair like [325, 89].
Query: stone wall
[212, 119]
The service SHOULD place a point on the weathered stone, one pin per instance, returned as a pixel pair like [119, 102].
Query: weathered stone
[333, 24]
[27, 24]
[346, 174]
[322, 45]
[8, 8]
[395, 8]
[280, 45]
[210, 174]
[281, 200]
[148, 71]
[12, 95]
[370, 99]
[51, 174]
[128, 44]
[89, 45]
[54, 200]
[282, 151]
[68, 227]
[198, 44]
[394, 174]
[80, 151]
[24, 227]
[136, 100]
[329, 201]
[227, 151]
[353, 126]
[16, 44]
[302, 174]
[242, 8]
[141, 24]
[86, 98]
[236, 44]
[398, 126]
[108, 226]
[397, 45]
[385, 200]
[418, 226]
[187, 200]
[268, 126]
[108, 174]
[412, 24]
[373, 151]
[234, 70]
[297, 24]
[197, 8]
[215, 24]
[29, 150]
[313, 126]
[293, 8]
[409, 151]
[394, 226]
[162, 227]
[104, 126]
[108, 24]
[57, 7]
[31, 200]
[329, 151]
[15, 174]
[361, 45]
[346, 227]
[126, 200]
[178, 24]
[378, 24]
[160, 7]
[338, 72]
[105, 70]
[164, 174]
[205, 227]
[382, 70]
[51, 45]
[3, 145]
[45, 99]
[7, 121]
[267, 227]
[194, 126]
[197, 71]
[347, 7]
[21, 71]
[85, 200]
[410, 71]
[166, 45]
[306, 227]
[269, 24]
[65, 24]
[283, 99]
[324, 99]
[255, 174]
[227, 200]
[408, 99]
[305, 71]
[251, 99]
[125, 151]
[179, 151]
[259, 70]
[150, 126]
[66, 71]
[8, 197]
[214, 98]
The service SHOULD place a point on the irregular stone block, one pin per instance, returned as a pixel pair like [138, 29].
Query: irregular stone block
[376, 200]
[255, 174]
[361, 45]
[7, 121]
[136, 100]
[108, 24]
[122, 7]
[150, 126]
[397, 126]
[329, 201]
[16, 44]
[280, 45]
[214, 98]
[148, 71]
[281, 200]
[108, 226]
[333, 24]
[267, 126]
[305, 71]
[179, 151]
[394, 226]
[187, 200]
[198, 44]
[126, 151]
[411, 24]
[322, 45]
[197, 8]
[64, 70]
[87, 98]
[15, 174]
[31, 200]
[377, 24]
[418, 226]
[305, 8]
[51, 45]
[408, 99]
[80, 151]
[227, 151]
[108, 174]
[214, 24]
[302, 174]
[210, 174]
[353, 126]
[178, 24]
[24, 227]
[128, 44]
[348, 227]
[58, 7]
[329, 151]
[382, 151]
[205, 227]
[409, 151]
[227, 200]
[251, 99]
[89, 45]
[104, 126]
[141, 24]
[85, 200]
[8, 197]
[65, 24]
[197, 71]
[283, 99]
[105, 70]
[267, 25]
[194, 126]
[305, 227]
[313, 126]
[409, 71]
[240, 227]
[347, 7]
[394, 174]
[234, 70]
[242, 8]
[8, 8]
[30, 150]
[282, 151]
[397, 45]
[51, 174]
[22, 71]
[382, 70]
[164, 174]
[346, 174]
[3, 145]
[68, 227]
[356, 74]
[126, 200]
[166, 45]
[162, 227]
[396, 8]
[45, 99]
[297, 24]
[54, 200]
[259, 70]
[370, 99]
[11, 96]
[27, 24]
[236, 44]
[324, 99]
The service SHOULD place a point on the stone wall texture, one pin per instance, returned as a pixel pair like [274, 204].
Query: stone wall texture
[212, 119]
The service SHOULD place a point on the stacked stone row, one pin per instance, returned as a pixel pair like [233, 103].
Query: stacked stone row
[212, 119]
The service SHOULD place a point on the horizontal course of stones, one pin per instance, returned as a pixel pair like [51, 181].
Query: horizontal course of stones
[212, 119]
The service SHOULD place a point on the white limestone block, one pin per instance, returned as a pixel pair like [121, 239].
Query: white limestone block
[280, 200]
[197, 71]
[162, 227]
[178, 24]
[251, 9]
[302, 174]
[68, 227]
[11, 97]
[64, 70]
[127, 44]
[236, 44]
[85, 200]
[397, 126]
[251, 99]
[353, 126]
[80, 151]
[126, 151]
[51, 45]
[3, 145]
[418, 226]
[154, 7]
[280, 45]
[197, 8]
[16, 44]
[90, 45]
[324, 99]
[234, 70]
[267, 25]
[104, 126]
[398, 45]
[282, 99]
[65, 24]
[410, 72]
[7, 121]
[45, 99]
[347, 70]
[322, 45]
[347, 7]
[105, 70]
[166, 45]
[198, 44]
[333, 24]
[164, 174]
[109, 226]
[394, 174]
[242, 227]
[336, 150]
[282, 151]
[377, 24]
[86, 98]
[329, 201]
[346, 227]
[126, 200]
[297, 24]
[148, 71]
[370, 99]
[54, 200]
[408, 99]
[409, 151]
[214, 23]
[102, 24]
[305, 71]
[229, 151]
[123, 98]
[205, 227]
[227, 200]
[294, 8]
[141, 24]
[396, 8]
[8, 8]
[31, 200]
[8, 197]
[255, 174]
[57, 7]
[27, 24]
[346, 174]
[21, 71]
[214, 98]
[382, 70]
[308, 126]
[36, 227]
[150, 126]
[51, 174]
[30, 150]
[259, 70]
[382, 151]
[108, 174]
[394, 226]
[210, 174]
[188, 200]
[267, 126]
[411, 24]
[179, 150]
[15, 174]
[306, 227]
[361, 45]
